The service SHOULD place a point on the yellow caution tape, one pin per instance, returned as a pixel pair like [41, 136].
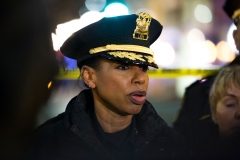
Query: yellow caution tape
[174, 73]
[153, 73]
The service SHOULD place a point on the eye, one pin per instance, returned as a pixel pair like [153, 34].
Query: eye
[144, 68]
[231, 105]
[123, 67]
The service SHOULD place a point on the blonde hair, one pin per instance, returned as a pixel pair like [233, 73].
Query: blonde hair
[227, 78]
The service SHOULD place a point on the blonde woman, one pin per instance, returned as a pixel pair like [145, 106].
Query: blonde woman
[225, 112]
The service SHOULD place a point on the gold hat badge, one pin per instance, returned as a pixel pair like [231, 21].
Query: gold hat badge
[143, 22]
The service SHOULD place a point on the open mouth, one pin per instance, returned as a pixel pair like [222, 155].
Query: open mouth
[138, 97]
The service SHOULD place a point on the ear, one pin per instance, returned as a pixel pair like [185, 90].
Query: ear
[236, 39]
[214, 117]
[87, 74]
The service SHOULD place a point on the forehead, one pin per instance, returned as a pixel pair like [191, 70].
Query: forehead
[233, 89]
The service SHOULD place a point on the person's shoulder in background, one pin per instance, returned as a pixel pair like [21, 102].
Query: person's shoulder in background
[45, 138]
[195, 103]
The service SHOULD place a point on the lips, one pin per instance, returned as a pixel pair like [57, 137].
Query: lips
[138, 97]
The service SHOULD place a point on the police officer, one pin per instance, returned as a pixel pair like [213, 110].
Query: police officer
[194, 119]
[112, 118]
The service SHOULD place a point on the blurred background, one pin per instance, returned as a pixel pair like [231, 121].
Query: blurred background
[197, 34]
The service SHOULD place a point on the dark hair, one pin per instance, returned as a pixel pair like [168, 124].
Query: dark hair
[91, 62]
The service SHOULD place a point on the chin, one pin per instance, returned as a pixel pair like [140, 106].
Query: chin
[135, 110]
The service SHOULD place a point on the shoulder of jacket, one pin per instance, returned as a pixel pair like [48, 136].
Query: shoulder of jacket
[203, 81]
[50, 122]
[174, 134]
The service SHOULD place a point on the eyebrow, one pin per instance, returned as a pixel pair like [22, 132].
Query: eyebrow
[231, 95]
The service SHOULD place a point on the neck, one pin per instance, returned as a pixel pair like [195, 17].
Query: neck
[110, 121]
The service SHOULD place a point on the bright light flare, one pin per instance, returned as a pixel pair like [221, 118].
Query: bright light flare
[95, 5]
[195, 36]
[90, 17]
[230, 39]
[211, 50]
[203, 53]
[203, 14]
[115, 9]
[224, 52]
[49, 84]
[164, 54]
[65, 30]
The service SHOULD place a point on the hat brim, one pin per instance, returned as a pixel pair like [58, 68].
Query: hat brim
[130, 58]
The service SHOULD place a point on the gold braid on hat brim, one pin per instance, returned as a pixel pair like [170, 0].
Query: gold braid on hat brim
[126, 51]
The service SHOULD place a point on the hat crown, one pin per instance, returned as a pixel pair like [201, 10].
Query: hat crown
[139, 30]
[230, 6]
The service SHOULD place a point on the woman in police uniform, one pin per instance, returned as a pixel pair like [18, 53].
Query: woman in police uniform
[112, 118]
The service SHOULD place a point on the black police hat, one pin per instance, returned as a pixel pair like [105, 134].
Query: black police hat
[232, 8]
[122, 38]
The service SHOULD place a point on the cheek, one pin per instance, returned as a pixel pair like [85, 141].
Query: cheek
[225, 118]
[112, 83]
[147, 80]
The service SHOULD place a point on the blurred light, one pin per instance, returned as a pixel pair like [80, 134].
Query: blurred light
[95, 5]
[164, 54]
[224, 52]
[171, 39]
[56, 42]
[203, 14]
[49, 84]
[182, 83]
[195, 36]
[115, 9]
[199, 56]
[146, 10]
[212, 50]
[65, 30]
[202, 53]
[90, 17]
[70, 63]
[230, 39]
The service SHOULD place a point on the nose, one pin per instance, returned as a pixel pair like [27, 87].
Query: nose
[139, 77]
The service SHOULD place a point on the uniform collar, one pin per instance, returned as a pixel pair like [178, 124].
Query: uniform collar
[77, 119]
[128, 132]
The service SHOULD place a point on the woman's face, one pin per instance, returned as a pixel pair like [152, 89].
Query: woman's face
[120, 88]
[227, 114]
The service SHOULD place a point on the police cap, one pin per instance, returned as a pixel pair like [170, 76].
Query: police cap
[232, 8]
[122, 38]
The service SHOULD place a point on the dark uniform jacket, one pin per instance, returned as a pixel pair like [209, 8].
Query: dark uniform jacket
[194, 119]
[71, 136]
